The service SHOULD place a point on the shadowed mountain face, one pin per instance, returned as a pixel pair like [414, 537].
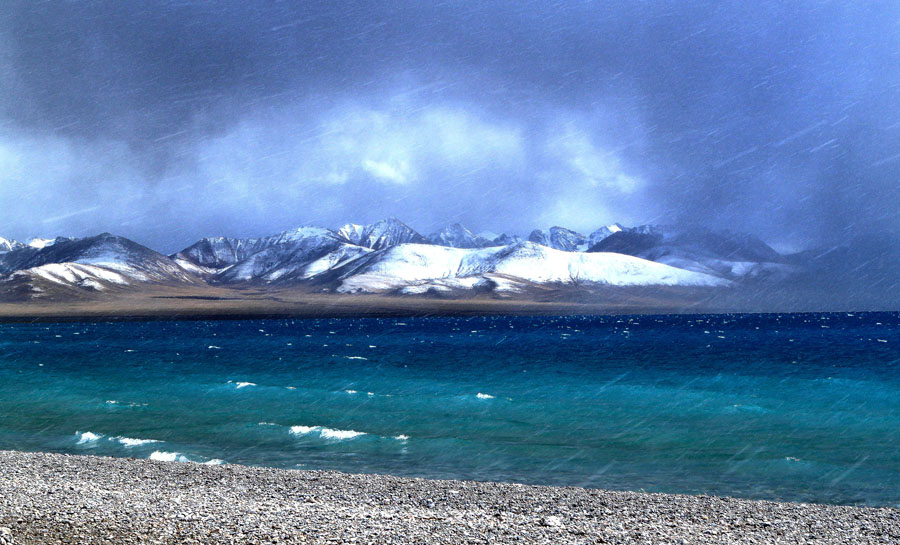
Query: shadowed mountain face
[221, 251]
[558, 238]
[869, 263]
[662, 240]
[723, 253]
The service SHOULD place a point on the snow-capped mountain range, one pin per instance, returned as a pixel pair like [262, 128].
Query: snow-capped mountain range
[391, 257]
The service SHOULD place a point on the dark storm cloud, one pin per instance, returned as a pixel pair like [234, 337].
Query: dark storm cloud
[166, 121]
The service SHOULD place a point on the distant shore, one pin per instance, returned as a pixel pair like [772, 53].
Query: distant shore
[220, 303]
[202, 302]
[50, 498]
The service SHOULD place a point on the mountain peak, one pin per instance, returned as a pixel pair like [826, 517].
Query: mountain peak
[382, 234]
[7, 245]
[457, 236]
[558, 238]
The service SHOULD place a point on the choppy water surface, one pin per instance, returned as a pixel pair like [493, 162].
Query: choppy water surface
[790, 407]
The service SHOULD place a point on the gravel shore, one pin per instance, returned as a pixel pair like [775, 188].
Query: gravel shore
[51, 498]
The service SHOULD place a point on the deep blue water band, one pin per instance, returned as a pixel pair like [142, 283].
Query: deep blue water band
[789, 407]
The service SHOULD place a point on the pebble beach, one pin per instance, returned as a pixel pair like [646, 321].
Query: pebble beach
[53, 498]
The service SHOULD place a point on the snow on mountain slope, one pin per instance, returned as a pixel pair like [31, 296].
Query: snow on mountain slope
[44, 242]
[385, 233]
[299, 234]
[411, 264]
[351, 232]
[324, 264]
[540, 264]
[76, 274]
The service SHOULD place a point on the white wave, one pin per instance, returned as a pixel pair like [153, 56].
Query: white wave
[329, 433]
[401, 437]
[214, 462]
[213, 347]
[326, 433]
[244, 384]
[88, 437]
[351, 392]
[484, 396]
[162, 456]
[355, 358]
[129, 442]
[267, 424]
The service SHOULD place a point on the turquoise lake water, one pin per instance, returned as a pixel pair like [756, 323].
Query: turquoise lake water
[799, 407]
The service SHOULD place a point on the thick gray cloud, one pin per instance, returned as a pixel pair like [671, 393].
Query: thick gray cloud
[167, 121]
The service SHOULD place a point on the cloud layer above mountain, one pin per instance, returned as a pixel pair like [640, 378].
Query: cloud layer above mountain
[173, 120]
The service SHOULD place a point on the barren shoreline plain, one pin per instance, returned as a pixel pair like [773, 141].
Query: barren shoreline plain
[169, 302]
[53, 498]
[210, 302]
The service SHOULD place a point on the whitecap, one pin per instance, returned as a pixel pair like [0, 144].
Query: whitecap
[240, 385]
[326, 433]
[129, 442]
[484, 396]
[87, 437]
[302, 430]
[162, 456]
[213, 347]
[329, 433]
[214, 462]
[355, 358]
[402, 437]
[351, 392]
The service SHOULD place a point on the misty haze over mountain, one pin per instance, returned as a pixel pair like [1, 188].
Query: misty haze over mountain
[172, 121]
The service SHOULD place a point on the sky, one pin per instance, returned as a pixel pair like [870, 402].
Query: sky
[167, 121]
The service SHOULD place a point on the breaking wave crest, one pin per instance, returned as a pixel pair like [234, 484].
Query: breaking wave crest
[88, 437]
[129, 442]
[162, 456]
[326, 433]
